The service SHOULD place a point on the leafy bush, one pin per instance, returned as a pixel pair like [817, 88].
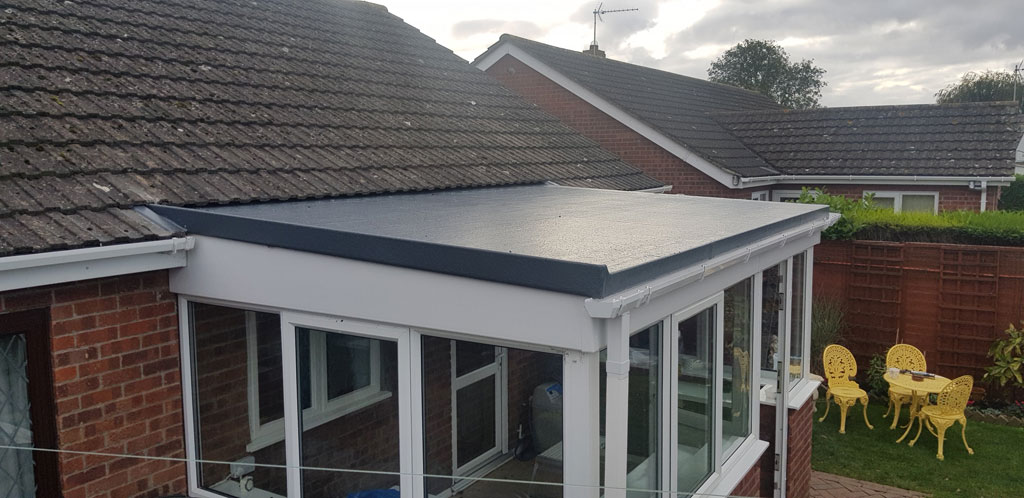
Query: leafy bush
[1007, 357]
[827, 327]
[1012, 198]
[861, 219]
[876, 376]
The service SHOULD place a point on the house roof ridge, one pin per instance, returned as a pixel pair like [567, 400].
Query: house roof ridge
[936, 105]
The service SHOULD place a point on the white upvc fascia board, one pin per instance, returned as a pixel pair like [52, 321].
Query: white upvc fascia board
[874, 180]
[718, 173]
[613, 306]
[256, 276]
[55, 267]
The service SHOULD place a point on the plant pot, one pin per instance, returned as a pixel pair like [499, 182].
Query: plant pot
[977, 394]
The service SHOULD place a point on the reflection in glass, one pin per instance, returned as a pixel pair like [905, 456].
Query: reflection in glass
[696, 397]
[797, 323]
[222, 340]
[773, 284]
[736, 383]
[357, 433]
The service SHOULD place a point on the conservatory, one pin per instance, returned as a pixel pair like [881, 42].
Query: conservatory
[532, 340]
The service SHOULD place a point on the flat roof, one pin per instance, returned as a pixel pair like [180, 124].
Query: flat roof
[581, 241]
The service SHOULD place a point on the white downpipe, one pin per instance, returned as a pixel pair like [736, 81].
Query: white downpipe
[613, 306]
[616, 409]
[53, 267]
[984, 195]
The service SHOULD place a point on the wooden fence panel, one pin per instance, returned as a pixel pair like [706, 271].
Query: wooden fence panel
[949, 300]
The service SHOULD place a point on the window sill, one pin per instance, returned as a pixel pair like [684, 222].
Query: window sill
[735, 469]
[799, 393]
[275, 430]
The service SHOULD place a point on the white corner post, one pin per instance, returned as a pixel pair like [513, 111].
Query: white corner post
[292, 430]
[581, 423]
[616, 409]
[984, 195]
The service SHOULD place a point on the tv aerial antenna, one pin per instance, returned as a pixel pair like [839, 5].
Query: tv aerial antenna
[1018, 70]
[600, 11]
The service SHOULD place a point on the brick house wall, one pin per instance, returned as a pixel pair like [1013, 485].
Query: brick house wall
[117, 386]
[951, 197]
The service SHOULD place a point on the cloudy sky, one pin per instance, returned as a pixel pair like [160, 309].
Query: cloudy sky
[874, 52]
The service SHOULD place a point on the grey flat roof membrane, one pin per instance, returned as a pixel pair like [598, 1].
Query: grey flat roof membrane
[579, 241]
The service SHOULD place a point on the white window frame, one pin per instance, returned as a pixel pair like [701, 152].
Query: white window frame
[321, 409]
[897, 197]
[760, 195]
[777, 195]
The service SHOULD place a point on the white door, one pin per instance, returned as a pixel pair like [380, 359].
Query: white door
[479, 406]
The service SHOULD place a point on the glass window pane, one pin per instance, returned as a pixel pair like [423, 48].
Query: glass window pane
[16, 467]
[221, 355]
[797, 325]
[466, 421]
[348, 364]
[644, 415]
[885, 202]
[773, 283]
[362, 437]
[918, 203]
[736, 383]
[471, 356]
[474, 415]
[696, 376]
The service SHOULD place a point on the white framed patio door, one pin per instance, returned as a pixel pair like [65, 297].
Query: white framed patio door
[479, 406]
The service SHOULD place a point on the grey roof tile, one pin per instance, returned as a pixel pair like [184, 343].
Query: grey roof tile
[106, 104]
[929, 140]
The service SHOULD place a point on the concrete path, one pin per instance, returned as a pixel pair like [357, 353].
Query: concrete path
[832, 486]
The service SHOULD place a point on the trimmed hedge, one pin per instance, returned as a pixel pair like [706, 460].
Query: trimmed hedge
[862, 220]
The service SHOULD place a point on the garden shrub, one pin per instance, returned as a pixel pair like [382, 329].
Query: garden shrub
[827, 327]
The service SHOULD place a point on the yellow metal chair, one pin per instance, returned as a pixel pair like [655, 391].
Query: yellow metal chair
[948, 410]
[904, 357]
[840, 368]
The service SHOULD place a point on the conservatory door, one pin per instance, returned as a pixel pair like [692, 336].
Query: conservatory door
[478, 405]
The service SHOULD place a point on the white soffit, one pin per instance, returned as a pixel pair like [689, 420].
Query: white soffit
[703, 165]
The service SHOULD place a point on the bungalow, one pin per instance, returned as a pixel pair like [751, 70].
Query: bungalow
[297, 248]
[711, 139]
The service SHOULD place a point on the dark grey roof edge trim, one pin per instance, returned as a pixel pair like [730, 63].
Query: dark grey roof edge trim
[516, 269]
[618, 282]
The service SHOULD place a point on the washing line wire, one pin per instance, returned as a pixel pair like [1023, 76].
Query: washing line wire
[652, 492]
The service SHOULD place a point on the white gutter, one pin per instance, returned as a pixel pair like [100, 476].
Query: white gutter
[876, 180]
[55, 267]
[614, 306]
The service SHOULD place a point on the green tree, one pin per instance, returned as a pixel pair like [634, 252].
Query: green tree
[988, 86]
[1012, 197]
[764, 67]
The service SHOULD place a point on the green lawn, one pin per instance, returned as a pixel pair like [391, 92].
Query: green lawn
[995, 469]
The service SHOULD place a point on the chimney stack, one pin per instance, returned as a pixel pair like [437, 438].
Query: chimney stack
[593, 50]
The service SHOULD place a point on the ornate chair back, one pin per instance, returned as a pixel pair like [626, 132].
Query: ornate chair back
[906, 357]
[840, 366]
[953, 398]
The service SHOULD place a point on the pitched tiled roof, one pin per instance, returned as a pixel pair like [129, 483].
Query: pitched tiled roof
[930, 140]
[745, 133]
[106, 105]
[673, 104]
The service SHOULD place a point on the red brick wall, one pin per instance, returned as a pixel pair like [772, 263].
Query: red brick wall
[750, 485]
[611, 134]
[117, 382]
[951, 198]
[798, 468]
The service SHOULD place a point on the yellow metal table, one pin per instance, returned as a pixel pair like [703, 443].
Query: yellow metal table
[920, 388]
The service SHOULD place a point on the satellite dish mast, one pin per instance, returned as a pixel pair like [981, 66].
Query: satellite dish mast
[598, 12]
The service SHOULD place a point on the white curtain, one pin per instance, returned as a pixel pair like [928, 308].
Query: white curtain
[16, 474]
